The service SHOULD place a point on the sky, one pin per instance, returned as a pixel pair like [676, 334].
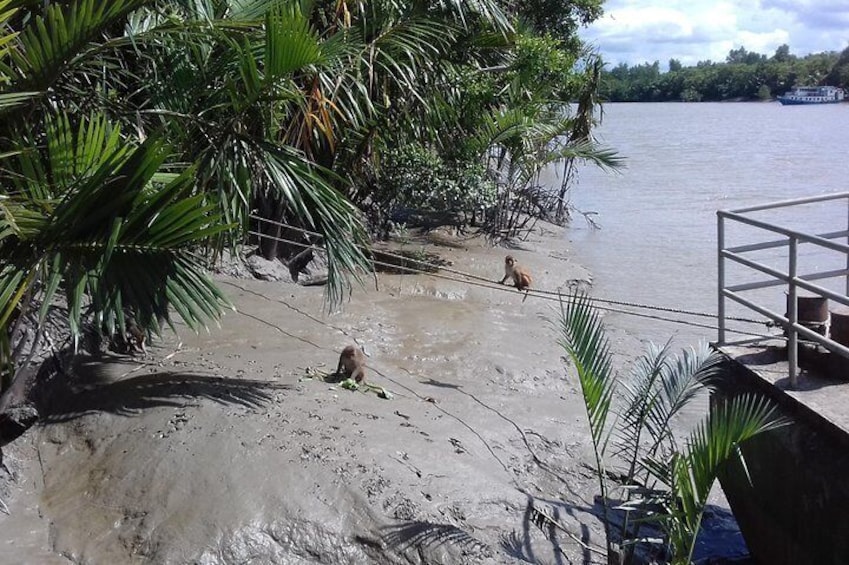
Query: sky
[640, 31]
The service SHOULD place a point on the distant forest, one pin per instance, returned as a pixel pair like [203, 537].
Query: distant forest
[744, 75]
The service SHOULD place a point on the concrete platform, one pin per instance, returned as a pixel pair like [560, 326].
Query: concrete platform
[823, 383]
[794, 509]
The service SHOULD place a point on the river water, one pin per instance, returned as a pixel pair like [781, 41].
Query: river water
[657, 242]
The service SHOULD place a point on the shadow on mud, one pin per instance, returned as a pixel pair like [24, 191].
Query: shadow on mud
[430, 536]
[719, 540]
[441, 384]
[66, 399]
[520, 545]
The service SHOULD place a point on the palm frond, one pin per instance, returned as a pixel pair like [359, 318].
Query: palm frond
[19, 220]
[730, 423]
[690, 475]
[73, 154]
[253, 10]
[111, 241]
[53, 39]
[12, 287]
[488, 10]
[12, 100]
[639, 397]
[583, 337]
[685, 377]
[290, 43]
[323, 209]
[606, 158]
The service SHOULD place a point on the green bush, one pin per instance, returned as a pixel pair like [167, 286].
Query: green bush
[416, 177]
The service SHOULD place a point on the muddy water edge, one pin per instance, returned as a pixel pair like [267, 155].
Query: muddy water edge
[222, 448]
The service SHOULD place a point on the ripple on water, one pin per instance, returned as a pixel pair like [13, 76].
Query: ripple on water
[441, 293]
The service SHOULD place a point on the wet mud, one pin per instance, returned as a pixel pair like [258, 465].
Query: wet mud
[231, 447]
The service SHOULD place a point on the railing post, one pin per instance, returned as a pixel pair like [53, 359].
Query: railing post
[792, 316]
[720, 277]
[847, 243]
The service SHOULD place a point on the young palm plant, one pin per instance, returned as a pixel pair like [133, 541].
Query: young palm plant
[662, 480]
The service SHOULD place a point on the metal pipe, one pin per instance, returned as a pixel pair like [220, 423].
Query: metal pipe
[769, 283]
[807, 333]
[794, 202]
[834, 240]
[756, 266]
[792, 316]
[816, 289]
[803, 237]
[783, 242]
[720, 278]
[801, 282]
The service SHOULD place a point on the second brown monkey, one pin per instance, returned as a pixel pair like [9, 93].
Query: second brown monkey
[352, 364]
[521, 278]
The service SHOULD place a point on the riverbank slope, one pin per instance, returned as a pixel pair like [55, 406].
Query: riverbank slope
[226, 448]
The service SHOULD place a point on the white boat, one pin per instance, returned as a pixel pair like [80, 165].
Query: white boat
[812, 95]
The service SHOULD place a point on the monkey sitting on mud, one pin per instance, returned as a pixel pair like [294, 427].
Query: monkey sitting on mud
[521, 277]
[132, 341]
[136, 337]
[352, 364]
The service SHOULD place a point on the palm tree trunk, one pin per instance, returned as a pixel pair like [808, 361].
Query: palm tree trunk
[565, 185]
[269, 243]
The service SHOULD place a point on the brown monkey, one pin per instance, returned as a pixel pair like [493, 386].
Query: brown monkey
[131, 341]
[353, 361]
[521, 278]
[136, 337]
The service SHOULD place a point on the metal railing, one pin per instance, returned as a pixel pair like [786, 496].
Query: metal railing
[792, 279]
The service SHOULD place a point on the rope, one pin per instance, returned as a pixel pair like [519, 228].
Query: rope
[537, 293]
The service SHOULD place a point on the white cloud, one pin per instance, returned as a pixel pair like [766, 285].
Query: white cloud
[637, 31]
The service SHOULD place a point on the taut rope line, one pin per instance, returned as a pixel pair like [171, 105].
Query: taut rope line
[556, 296]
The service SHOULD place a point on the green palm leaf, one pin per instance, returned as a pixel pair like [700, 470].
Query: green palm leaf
[74, 154]
[289, 42]
[487, 10]
[251, 10]
[112, 241]
[639, 398]
[681, 380]
[324, 210]
[12, 100]
[11, 290]
[52, 40]
[583, 337]
[604, 157]
[690, 475]
[661, 386]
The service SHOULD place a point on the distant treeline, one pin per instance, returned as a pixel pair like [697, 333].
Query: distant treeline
[744, 75]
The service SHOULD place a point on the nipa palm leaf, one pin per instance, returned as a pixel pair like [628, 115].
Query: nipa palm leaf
[583, 337]
[50, 41]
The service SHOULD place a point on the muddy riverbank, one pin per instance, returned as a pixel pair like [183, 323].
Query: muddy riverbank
[226, 447]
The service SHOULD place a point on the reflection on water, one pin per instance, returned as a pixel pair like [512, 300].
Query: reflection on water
[657, 244]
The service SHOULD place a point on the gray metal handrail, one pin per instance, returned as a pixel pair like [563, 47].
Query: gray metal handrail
[792, 279]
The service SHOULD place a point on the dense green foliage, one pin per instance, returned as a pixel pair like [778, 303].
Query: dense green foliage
[744, 75]
[139, 137]
[416, 177]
